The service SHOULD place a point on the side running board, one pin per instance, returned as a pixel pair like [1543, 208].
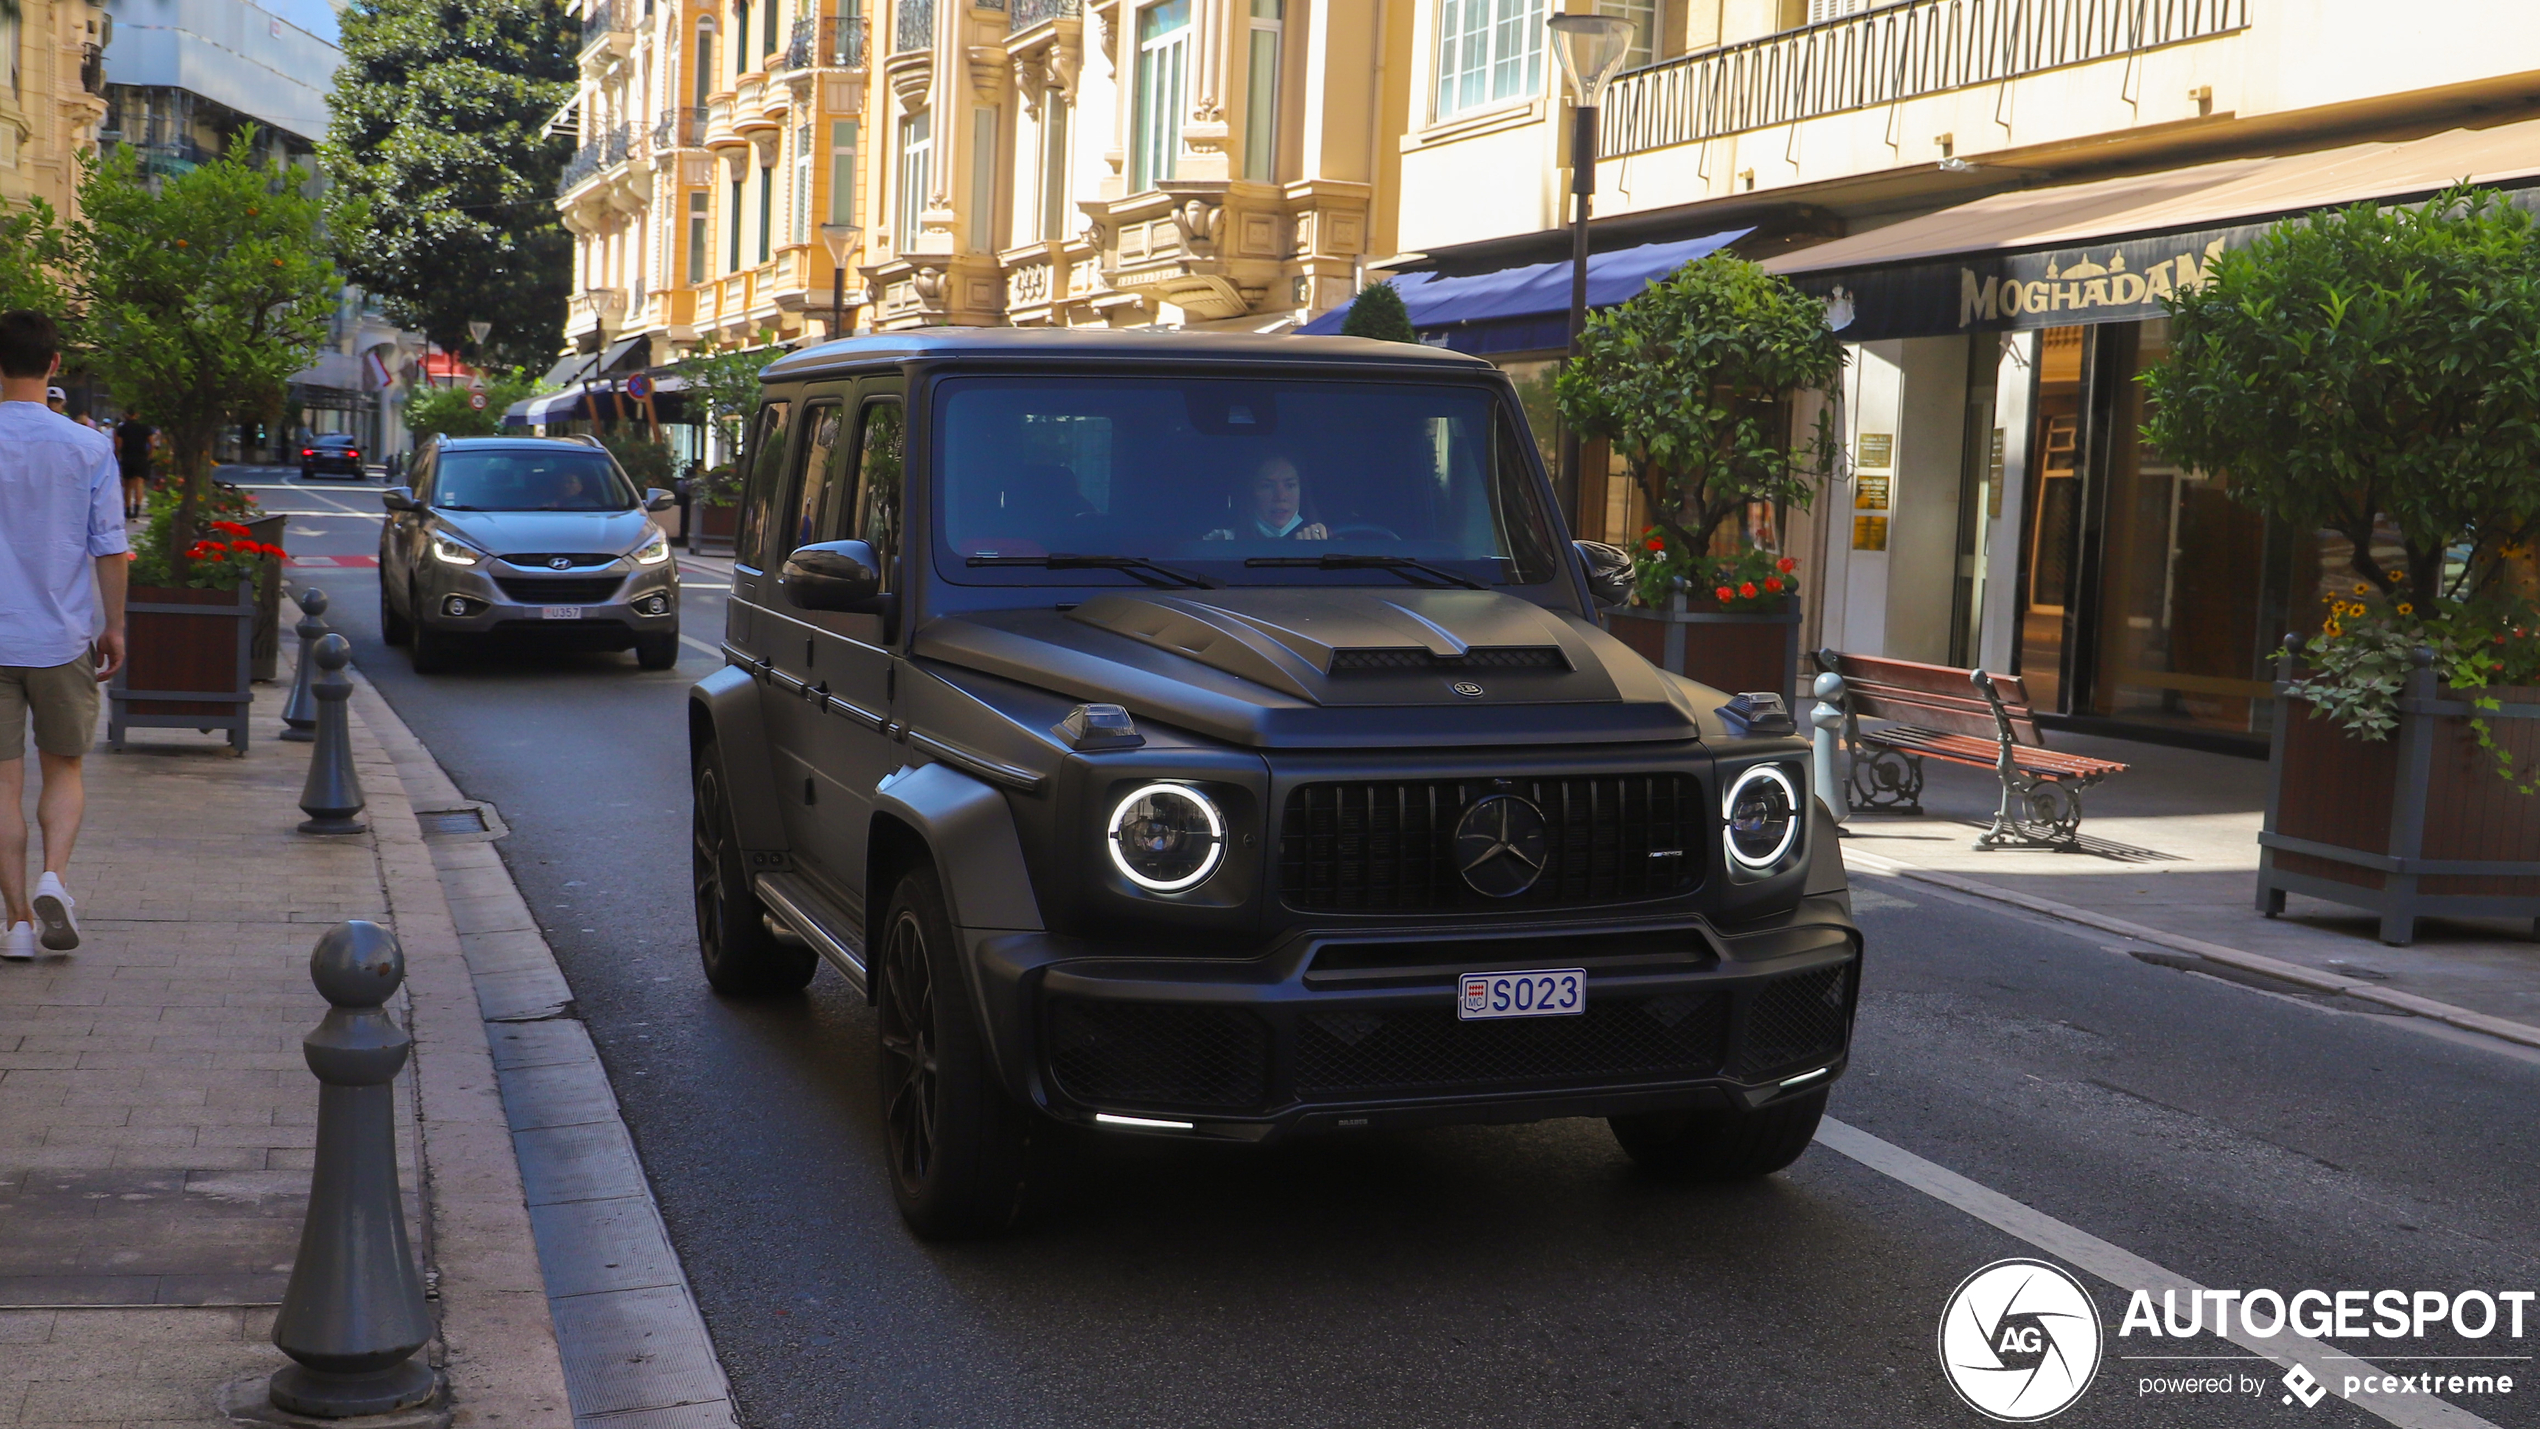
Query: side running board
[811, 918]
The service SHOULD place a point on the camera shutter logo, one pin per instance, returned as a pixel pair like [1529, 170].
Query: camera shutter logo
[2019, 1341]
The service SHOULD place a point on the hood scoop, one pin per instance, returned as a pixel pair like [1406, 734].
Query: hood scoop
[1350, 646]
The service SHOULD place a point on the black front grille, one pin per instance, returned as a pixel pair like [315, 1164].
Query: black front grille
[574, 560]
[1506, 657]
[563, 590]
[1160, 1055]
[1351, 1054]
[1390, 847]
[1796, 1022]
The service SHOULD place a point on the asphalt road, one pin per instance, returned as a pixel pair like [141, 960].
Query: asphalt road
[1491, 1276]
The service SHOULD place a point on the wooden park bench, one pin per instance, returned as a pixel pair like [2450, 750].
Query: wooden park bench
[1988, 726]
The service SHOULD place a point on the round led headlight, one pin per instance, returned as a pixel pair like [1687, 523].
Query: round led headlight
[1166, 837]
[1762, 810]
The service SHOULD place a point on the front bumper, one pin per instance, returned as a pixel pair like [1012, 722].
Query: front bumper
[1333, 1032]
[617, 602]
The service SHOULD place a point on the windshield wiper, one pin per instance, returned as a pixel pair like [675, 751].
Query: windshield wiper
[1138, 566]
[1404, 566]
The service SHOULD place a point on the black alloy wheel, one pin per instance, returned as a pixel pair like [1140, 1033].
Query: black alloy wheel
[962, 1150]
[741, 957]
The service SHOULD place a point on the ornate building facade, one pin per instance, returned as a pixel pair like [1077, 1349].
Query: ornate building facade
[52, 98]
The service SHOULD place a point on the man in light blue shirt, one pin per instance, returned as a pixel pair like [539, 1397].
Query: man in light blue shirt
[62, 548]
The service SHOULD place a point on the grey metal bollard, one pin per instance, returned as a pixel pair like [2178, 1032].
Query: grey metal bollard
[354, 1314]
[333, 796]
[299, 713]
[1827, 716]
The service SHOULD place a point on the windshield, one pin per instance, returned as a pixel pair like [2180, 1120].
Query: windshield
[530, 479]
[1244, 482]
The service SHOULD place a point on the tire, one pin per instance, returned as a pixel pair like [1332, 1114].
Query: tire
[1720, 1145]
[657, 652]
[960, 1149]
[431, 651]
[741, 957]
[393, 628]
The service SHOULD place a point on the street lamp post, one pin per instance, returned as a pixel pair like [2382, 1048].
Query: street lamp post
[602, 302]
[840, 239]
[1590, 48]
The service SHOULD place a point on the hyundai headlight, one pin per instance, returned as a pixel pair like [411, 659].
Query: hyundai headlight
[1762, 816]
[452, 553]
[1166, 838]
[655, 548]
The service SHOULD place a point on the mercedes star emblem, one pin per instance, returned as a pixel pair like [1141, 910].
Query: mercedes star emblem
[559, 563]
[1501, 844]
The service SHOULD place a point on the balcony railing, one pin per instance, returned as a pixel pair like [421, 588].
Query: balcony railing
[1899, 52]
[681, 128]
[92, 69]
[607, 149]
[828, 41]
[913, 28]
[609, 17]
[1027, 13]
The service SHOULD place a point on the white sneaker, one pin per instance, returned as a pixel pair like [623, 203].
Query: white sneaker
[20, 942]
[56, 928]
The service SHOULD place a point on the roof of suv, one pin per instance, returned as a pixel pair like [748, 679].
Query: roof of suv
[484, 443]
[1112, 344]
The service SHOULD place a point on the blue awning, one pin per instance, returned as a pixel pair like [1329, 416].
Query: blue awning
[1527, 309]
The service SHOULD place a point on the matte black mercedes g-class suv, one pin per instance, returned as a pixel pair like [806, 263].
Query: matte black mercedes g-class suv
[1213, 737]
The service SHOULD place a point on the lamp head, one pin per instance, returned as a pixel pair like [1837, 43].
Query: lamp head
[1591, 49]
[839, 239]
[476, 332]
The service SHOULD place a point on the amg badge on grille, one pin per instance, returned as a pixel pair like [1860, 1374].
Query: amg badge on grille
[1500, 846]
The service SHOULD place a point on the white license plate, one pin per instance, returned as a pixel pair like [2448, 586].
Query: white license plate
[560, 612]
[1561, 992]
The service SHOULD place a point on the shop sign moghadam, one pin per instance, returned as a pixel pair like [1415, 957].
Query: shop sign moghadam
[2124, 281]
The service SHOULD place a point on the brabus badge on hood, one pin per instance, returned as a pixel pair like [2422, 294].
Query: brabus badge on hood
[1467, 689]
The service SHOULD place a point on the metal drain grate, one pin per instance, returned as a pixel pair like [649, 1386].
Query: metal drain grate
[450, 823]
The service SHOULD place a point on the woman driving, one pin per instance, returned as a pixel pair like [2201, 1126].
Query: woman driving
[1274, 500]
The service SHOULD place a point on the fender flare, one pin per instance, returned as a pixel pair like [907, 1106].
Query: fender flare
[724, 707]
[987, 888]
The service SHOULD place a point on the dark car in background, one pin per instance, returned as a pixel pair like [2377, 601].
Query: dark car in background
[331, 455]
[1213, 737]
[525, 538]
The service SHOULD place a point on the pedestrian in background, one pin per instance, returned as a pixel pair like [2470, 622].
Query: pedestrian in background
[132, 454]
[58, 400]
[64, 557]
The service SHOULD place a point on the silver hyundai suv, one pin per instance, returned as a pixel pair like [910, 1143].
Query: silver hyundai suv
[522, 536]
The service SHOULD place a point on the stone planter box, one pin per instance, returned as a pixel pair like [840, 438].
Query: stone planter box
[190, 655]
[716, 527]
[1727, 650]
[2418, 825]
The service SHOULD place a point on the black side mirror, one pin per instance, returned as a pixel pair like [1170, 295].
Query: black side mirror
[1609, 571]
[398, 498]
[656, 499]
[834, 575]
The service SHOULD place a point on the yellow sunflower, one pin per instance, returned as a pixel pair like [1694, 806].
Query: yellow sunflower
[2406, 609]
[2362, 589]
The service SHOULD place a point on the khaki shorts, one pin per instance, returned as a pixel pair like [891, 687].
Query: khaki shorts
[63, 699]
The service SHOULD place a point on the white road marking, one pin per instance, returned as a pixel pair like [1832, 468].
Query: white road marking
[694, 643]
[2125, 1270]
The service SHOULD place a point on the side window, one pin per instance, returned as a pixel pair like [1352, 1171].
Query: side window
[817, 487]
[759, 464]
[880, 447]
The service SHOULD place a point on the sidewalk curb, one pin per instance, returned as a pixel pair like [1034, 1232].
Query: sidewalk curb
[633, 1350]
[2504, 1029]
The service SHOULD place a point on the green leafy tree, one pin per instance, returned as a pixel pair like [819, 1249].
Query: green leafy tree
[444, 175]
[1688, 381]
[726, 384]
[34, 259]
[2367, 370]
[1378, 312]
[446, 411]
[204, 291]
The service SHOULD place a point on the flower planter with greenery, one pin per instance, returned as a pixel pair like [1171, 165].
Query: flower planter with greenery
[1689, 383]
[2368, 374]
[189, 636]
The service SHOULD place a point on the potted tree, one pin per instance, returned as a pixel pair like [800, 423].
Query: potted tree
[726, 384]
[1689, 383]
[2367, 375]
[200, 293]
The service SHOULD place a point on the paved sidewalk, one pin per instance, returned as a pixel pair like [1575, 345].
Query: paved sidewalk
[2173, 846]
[157, 1118]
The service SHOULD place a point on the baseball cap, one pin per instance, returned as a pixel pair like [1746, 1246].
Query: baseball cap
[56, 394]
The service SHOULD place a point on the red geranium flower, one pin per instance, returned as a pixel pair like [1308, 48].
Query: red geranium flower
[1747, 590]
[1787, 564]
[1657, 543]
[232, 527]
[1725, 593]
[1773, 583]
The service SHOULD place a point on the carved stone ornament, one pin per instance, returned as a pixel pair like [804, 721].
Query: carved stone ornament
[928, 283]
[1202, 224]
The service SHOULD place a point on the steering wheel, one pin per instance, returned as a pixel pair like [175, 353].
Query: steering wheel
[1363, 533]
